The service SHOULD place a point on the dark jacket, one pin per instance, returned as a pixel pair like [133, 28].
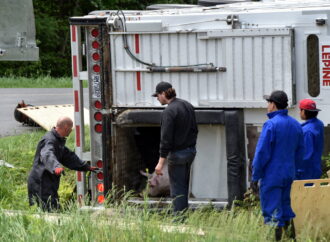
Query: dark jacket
[178, 127]
[51, 153]
[313, 138]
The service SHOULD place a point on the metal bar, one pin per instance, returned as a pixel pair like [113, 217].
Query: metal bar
[79, 106]
[236, 157]
[216, 34]
[106, 97]
[186, 69]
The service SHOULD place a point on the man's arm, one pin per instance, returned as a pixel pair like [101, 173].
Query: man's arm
[263, 151]
[167, 133]
[166, 139]
[73, 162]
[299, 162]
[160, 166]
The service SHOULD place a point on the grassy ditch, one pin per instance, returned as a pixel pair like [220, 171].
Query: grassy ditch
[127, 223]
[19, 151]
[120, 221]
[124, 222]
[39, 82]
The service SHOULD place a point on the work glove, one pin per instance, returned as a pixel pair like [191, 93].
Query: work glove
[254, 186]
[59, 170]
[93, 169]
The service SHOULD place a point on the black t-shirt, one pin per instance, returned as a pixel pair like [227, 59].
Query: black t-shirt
[178, 127]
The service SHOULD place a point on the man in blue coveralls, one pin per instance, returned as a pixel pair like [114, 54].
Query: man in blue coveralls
[313, 130]
[279, 148]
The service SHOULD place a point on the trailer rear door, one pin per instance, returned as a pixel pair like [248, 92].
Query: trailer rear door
[257, 61]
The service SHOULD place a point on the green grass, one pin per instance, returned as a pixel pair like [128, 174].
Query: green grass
[124, 222]
[19, 151]
[40, 82]
[120, 221]
[130, 224]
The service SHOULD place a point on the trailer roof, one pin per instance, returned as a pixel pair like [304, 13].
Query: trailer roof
[268, 6]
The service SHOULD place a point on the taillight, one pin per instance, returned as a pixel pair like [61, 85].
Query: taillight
[96, 56]
[98, 116]
[95, 33]
[95, 44]
[100, 176]
[100, 187]
[98, 128]
[100, 199]
[96, 68]
[99, 164]
[98, 104]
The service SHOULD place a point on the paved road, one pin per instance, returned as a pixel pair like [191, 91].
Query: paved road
[35, 96]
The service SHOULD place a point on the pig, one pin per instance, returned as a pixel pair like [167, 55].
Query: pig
[159, 185]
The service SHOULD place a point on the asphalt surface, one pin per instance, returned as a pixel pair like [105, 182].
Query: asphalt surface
[10, 97]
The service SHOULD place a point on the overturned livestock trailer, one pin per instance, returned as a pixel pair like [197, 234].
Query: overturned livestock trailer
[222, 59]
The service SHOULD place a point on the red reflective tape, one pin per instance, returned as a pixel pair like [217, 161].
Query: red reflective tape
[77, 135]
[76, 101]
[138, 81]
[79, 176]
[74, 65]
[73, 33]
[137, 44]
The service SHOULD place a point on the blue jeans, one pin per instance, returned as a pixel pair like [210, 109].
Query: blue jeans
[179, 164]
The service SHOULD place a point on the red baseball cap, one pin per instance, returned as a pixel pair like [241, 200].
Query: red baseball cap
[308, 104]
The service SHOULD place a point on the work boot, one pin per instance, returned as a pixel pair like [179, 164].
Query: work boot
[290, 230]
[278, 233]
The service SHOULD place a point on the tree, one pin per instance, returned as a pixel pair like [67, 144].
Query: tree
[53, 33]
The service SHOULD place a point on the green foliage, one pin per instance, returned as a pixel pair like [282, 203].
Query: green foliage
[18, 151]
[325, 166]
[53, 34]
[37, 82]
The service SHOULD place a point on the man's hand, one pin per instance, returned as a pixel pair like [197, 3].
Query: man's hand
[255, 187]
[159, 166]
[93, 168]
[58, 171]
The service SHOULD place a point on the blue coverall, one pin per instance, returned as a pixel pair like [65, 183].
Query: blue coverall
[279, 148]
[310, 168]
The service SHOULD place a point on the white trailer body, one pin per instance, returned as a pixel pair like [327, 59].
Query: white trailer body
[222, 59]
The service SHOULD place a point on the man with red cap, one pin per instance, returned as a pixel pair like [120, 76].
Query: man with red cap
[313, 128]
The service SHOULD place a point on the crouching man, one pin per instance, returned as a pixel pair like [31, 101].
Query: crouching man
[51, 155]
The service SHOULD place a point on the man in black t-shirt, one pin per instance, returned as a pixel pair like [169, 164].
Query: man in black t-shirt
[177, 143]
